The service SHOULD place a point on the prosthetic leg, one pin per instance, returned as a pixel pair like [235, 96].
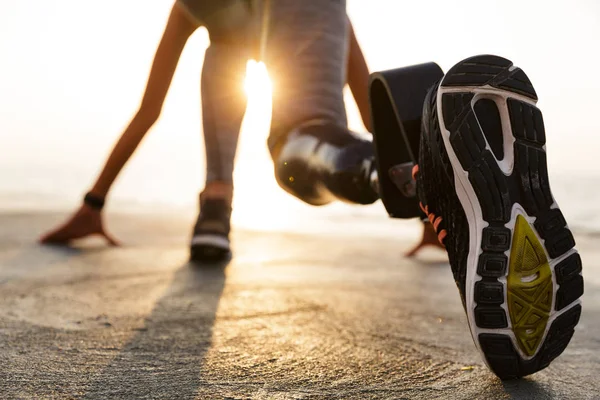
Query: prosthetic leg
[319, 162]
[397, 98]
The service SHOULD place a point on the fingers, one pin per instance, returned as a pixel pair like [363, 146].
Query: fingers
[84, 223]
[110, 239]
[57, 236]
[45, 238]
[413, 252]
[429, 238]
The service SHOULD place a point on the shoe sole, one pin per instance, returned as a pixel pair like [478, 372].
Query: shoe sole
[523, 280]
[209, 248]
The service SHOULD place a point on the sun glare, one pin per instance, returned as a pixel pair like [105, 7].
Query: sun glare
[257, 194]
[257, 83]
[259, 89]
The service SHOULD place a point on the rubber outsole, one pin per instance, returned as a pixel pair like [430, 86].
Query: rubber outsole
[526, 276]
[209, 248]
[208, 254]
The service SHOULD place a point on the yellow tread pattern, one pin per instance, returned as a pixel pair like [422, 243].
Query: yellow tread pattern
[529, 287]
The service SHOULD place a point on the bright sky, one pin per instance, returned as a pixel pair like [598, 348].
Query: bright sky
[72, 72]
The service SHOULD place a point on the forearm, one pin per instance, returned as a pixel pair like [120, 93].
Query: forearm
[178, 30]
[358, 79]
[122, 151]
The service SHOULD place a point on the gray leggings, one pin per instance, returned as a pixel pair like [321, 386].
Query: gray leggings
[306, 57]
[223, 107]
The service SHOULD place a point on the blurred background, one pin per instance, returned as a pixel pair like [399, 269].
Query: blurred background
[72, 73]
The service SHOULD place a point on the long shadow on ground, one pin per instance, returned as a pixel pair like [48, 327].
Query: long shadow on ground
[165, 356]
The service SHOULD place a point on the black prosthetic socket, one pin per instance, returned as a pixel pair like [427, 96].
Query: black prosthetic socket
[397, 97]
[320, 162]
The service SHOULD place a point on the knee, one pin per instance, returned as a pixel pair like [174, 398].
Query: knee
[318, 162]
[291, 156]
[295, 176]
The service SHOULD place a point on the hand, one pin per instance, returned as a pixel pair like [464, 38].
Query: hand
[429, 238]
[85, 222]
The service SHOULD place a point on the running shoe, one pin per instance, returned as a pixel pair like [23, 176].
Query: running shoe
[210, 240]
[482, 179]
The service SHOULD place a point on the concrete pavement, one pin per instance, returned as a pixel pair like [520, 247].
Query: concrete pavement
[292, 316]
